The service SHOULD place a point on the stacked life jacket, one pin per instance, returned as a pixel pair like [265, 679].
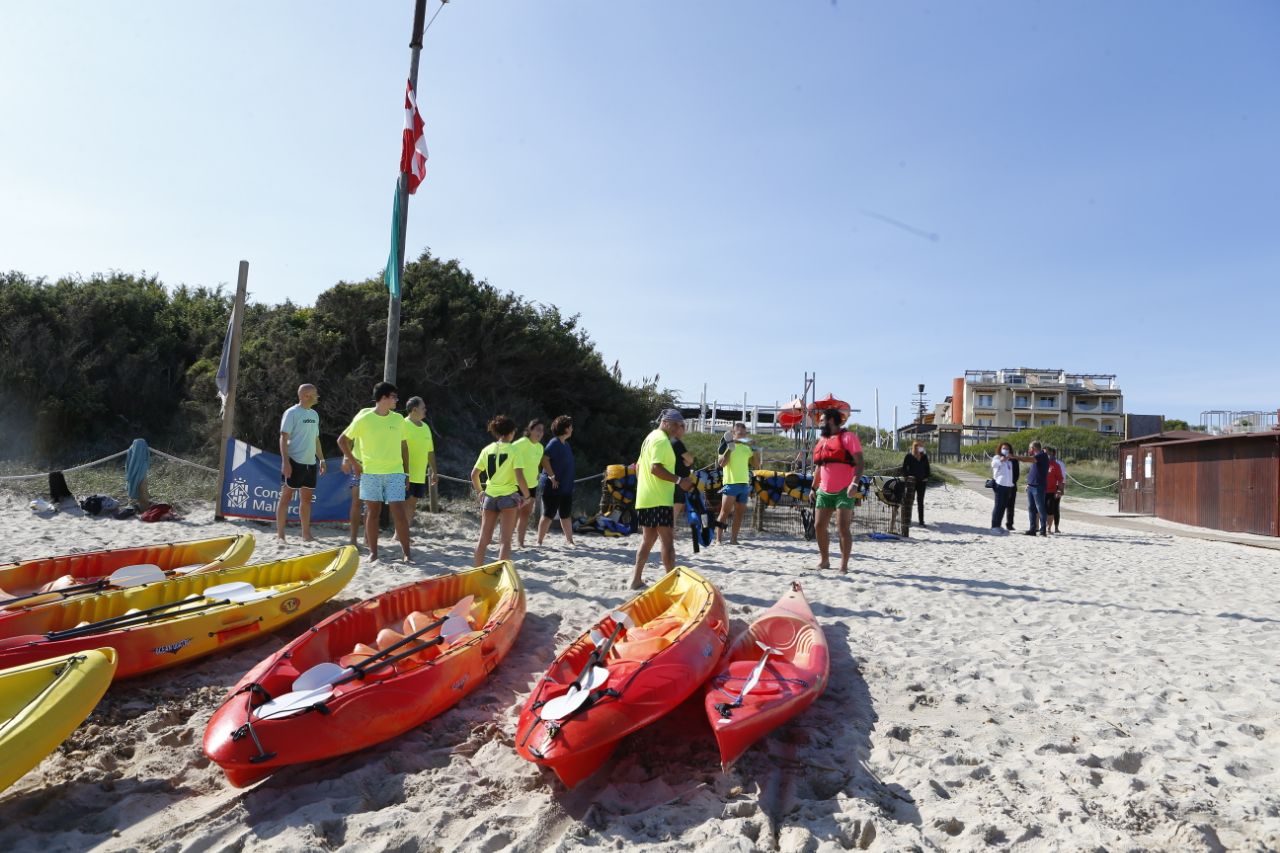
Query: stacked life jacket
[771, 487]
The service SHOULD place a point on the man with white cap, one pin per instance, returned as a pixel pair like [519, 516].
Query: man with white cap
[656, 483]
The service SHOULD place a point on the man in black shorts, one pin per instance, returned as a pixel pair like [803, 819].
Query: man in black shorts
[557, 486]
[301, 459]
[656, 482]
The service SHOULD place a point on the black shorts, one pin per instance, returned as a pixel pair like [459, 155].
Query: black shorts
[655, 516]
[679, 496]
[557, 505]
[417, 490]
[303, 476]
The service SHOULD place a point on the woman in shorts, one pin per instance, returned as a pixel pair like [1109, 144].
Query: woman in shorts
[503, 490]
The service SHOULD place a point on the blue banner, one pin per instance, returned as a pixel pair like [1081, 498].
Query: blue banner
[251, 487]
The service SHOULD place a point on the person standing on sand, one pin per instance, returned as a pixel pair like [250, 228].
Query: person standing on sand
[737, 459]
[1037, 477]
[557, 485]
[837, 465]
[1003, 472]
[916, 465]
[530, 458]
[656, 482]
[383, 466]
[301, 459]
[503, 490]
[353, 485]
[1055, 487]
[422, 455]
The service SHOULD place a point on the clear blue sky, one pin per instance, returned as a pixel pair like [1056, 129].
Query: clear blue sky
[708, 184]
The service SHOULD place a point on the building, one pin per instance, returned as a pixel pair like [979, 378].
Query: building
[1026, 398]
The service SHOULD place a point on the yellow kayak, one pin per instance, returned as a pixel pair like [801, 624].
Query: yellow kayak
[43, 702]
[163, 624]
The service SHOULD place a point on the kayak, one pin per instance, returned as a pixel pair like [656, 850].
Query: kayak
[43, 702]
[372, 671]
[630, 669]
[772, 671]
[159, 625]
[72, 573]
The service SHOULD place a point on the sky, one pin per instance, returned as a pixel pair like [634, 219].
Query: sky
[728, 193]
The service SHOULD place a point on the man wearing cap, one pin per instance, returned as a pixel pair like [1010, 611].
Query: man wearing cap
[656, 483]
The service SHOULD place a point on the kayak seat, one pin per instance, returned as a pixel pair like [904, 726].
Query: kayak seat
[778, 677]
[58, 583]
[416, 621]
[640, 649]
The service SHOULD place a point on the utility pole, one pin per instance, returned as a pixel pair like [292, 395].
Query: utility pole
[233, 374]
[393, 301]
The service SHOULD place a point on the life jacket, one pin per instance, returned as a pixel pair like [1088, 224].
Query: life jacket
[831, 451]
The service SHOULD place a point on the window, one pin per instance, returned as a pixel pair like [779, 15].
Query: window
[1108, 405]
[986, 400]
[1016, 380]
[984, 422]
[1048, 422]
[1048, 402]
[1021, 423]
[1020, 402]
[1108, 427]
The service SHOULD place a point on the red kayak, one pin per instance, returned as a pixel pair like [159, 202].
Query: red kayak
[368, 673]
[631, 668]
[772, 672]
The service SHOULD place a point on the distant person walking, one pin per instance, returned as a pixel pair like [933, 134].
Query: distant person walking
[1003, 472]
[656, 482]
[837, 465]
[916, 465]
[737, 459]
[301, 459]
[1037, 478]
[383, 466]
[1055, 487]
[422, 454]
[557, 486]
[530, 458]
[503, 490]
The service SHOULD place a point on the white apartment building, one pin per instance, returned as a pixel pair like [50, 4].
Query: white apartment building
[1023, 398]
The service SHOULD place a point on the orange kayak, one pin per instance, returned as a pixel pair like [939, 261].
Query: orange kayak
[630, 669]
[368, 673]
[773, 670]
[73, 573]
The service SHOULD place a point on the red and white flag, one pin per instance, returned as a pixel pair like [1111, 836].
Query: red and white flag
[413, 149]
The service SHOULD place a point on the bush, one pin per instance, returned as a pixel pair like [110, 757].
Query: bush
[1072, 442]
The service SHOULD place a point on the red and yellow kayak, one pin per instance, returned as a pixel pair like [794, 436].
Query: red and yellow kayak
[164, 624]
[50, 574]
[368, 673]
[773, 670]
[668, 640]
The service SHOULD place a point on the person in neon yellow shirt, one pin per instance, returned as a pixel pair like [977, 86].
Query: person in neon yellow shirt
[502, 491]
[530, 459]
[737, 460]
[422, 454]
[383, 465]
[656, 484]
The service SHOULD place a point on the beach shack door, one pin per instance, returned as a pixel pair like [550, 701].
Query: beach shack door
[1147, 480]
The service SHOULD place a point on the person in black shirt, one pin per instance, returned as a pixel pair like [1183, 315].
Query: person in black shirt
[1013, 497]
[684, 466]
[916, 464]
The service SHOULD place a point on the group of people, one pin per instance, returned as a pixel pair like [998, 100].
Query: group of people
[1046, 484]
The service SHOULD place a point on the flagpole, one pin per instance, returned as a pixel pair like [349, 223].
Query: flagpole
[402, 190]
[233, 374]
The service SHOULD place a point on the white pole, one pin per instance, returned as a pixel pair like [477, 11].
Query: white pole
[895, 427]
[233, 376]
[877, 417]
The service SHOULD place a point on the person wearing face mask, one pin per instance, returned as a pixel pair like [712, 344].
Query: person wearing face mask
[1002, 472]
[837, 461]
[916, 464]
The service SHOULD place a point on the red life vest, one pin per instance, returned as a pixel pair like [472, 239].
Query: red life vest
[831, 451]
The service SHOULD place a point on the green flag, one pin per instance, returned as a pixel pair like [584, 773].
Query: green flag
[392, 274]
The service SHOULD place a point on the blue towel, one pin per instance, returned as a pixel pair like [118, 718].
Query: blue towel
[136, 464]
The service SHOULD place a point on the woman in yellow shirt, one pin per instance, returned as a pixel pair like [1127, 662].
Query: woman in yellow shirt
[530, 460]
[503, 490]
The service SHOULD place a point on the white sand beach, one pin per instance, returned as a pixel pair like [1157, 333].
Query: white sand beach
[1102, 690]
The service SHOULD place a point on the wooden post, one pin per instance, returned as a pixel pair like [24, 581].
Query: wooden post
[233, 374]
[433, 494]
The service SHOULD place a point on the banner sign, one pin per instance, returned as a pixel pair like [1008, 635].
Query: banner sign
[252, 487]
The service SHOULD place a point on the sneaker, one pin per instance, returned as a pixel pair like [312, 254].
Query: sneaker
[1029, 532]
[997, 530]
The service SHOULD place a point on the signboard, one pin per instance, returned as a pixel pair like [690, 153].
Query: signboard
[252, 487]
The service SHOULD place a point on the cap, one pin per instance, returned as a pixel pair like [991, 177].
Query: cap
[671, 415]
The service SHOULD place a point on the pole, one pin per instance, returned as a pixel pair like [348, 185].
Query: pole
[393, 300]
[233, 373]
[877, 417]
[895, 427]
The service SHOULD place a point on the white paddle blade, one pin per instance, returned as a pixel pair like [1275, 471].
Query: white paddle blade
[596, 636]
[224, 590]
[463, 607]
[453, 628]
[768, 650]
[291, 703]
[248, 595]
[143, 573]
[753, 679]
[564, 705]
[190, 569]
[597, 677]
[320, 675]
[623, 618]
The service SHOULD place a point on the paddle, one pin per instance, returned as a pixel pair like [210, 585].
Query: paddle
[726, 708]
[592, 675]
[124, 577]
[237, 592]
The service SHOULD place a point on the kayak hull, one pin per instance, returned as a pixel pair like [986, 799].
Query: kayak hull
[297, 585]
[43, 702]
[652, 674]
[384, 704]
[791, 680]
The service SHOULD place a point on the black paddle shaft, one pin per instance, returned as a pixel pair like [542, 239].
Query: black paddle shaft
[128, 620]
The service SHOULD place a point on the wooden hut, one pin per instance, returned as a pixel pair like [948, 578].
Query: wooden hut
[1137, 469]
[1227, 482]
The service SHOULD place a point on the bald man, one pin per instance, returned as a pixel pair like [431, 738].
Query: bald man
[301, 459]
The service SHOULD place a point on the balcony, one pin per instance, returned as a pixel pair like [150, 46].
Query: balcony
[1081, 406]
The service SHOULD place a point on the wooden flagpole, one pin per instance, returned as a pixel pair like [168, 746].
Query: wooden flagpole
[233, 374]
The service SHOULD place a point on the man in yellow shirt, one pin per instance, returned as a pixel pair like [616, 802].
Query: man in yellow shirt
[737, 460]
[383, 466]
[656, 484]
[422, 454]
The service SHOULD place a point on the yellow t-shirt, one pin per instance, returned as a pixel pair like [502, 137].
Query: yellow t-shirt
[739, 468]
[380, 438]
[498, 463]
[650, 491]
[529, 458]
[355, 442]
[421, 444]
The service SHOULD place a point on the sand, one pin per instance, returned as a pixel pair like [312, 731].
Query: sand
[1102, 690]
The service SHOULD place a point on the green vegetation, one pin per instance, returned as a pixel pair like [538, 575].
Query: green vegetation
[1072, 442]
